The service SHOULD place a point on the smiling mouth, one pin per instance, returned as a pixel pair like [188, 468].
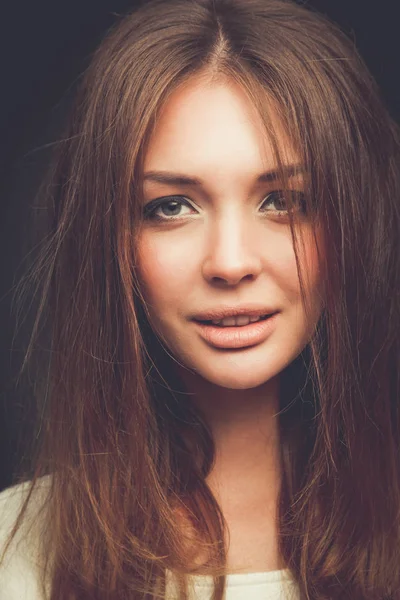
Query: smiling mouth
[263, 318]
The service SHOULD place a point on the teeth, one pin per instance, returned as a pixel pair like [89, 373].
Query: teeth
[231, 321]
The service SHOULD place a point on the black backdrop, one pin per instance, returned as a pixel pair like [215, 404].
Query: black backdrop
[46, 46]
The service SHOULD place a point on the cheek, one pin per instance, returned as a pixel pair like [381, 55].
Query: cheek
[287, 271]
[311, 268]
[161, 272]
[309, 264]
[152, 270]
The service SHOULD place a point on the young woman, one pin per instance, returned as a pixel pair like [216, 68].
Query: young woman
[219, 408]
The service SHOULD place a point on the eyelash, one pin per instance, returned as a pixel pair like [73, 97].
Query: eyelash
[151, 207]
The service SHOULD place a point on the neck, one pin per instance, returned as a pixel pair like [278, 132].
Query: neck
[245, 428]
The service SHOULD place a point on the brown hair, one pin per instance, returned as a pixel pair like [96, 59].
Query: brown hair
[124, 449]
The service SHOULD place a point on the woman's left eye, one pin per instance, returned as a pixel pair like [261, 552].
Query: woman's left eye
[279, 196]
[174, 203]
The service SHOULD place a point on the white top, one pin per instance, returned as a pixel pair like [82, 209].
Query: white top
[20, 571]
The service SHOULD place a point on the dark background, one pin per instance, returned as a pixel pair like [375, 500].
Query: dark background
[46, 47]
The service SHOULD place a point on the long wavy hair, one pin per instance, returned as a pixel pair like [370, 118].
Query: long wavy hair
[126, 449]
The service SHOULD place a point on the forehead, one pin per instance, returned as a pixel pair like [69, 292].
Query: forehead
[213, 128]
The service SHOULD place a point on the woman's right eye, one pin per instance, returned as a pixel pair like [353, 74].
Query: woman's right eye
[150, 209]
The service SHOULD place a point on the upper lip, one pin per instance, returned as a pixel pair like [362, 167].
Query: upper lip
[233, 311]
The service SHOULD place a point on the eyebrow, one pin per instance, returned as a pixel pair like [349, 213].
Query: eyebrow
[170, 178]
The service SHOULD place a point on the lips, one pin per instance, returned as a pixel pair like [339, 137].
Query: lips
[210, 322]
[234, 337]
[233, 311]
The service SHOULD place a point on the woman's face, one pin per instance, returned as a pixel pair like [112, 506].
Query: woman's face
[224, 244]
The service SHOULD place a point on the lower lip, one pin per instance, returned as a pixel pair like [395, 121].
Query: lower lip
[238, 337]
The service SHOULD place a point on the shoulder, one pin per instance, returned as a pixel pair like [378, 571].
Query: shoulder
[14, 496]
[19, 567]
[12, 499]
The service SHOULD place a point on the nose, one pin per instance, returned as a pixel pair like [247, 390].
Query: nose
[233, 250]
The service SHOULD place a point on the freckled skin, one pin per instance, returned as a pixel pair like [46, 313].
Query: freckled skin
[226, 250]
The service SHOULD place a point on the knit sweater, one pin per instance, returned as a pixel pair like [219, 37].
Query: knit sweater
[21, 568]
